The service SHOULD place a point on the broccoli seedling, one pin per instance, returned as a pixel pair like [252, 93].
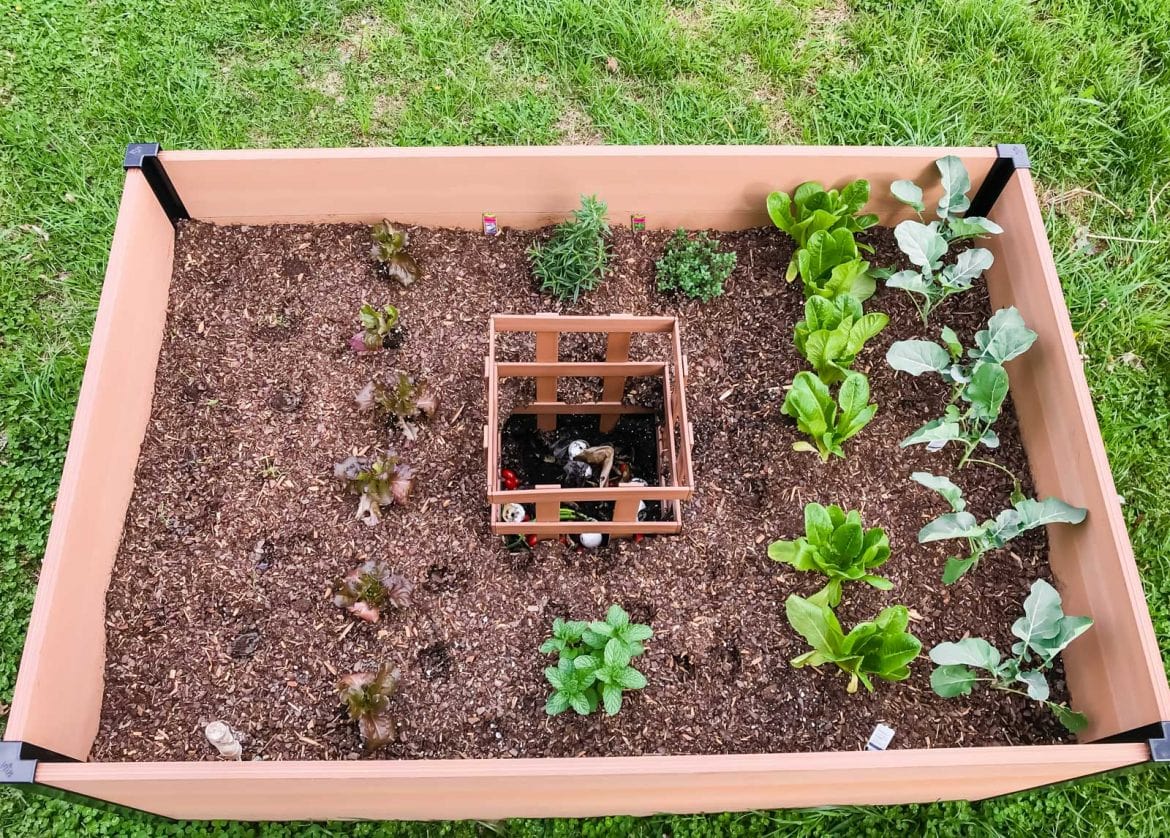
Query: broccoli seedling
[377, 327]
[369, 588]
[379, 481]
[389, 250]
[403, 403]
[366, 696]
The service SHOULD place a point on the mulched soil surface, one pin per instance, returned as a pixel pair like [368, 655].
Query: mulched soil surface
[220, 607]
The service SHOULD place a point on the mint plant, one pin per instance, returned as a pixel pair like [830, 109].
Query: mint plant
[833, 332]
[835, 545]
[594, 662]
[694, 266]
[956, 183]
[378, 481]
[378, 325]
[574, 259]
[366, 696]
[389, 250]
[1024, 514]
[926, 245]
[370, 588]
[829, 421]
[812, 209]
[1044, 632]
[978, 388]
[402, 404]
[881, 648]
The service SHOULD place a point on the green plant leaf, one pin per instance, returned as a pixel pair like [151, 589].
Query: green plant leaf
[935, 433]
[917, 357]
[987, 390]
[951, 525]
[922, 243]
[557, 703]
[969, 267]
[854, 395]
[955, 183]
[815, 623]
[1034, 513]
[1037, 684]
[1042, 615]
[909, 281]
[1073, 721]
[611, 696]
[970, 227]
[1005, 337]
[908, 192]
[952, 680]
[952, 342]
[631, 679]
[943, 485]
[955, 568]
[970, 651]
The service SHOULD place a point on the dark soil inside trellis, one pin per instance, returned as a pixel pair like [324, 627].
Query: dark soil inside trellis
[220, 605]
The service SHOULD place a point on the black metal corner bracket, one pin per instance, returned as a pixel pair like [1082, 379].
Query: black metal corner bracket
[144, 156]
[1009, 157]
[1155, 734]
[18, 761]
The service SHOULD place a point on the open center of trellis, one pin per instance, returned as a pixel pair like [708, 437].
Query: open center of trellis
[544, 502]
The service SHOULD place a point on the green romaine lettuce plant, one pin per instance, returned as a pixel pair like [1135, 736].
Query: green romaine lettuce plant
[956, 183]
[1044, 632]
[594, 662]
[574, 259]
[833, 332]
[1024, 514]
[981, 385]
[881, 648]
[366, 696]
[828, 421]
[831, 265]
[812, 209]
[389, 249]
[835, 545]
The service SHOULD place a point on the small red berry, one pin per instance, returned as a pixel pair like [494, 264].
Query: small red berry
[532, 539]
[638, 538]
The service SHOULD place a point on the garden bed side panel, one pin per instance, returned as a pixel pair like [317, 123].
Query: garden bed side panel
[723, 187]
[491, 789]
[1115, 672]
[58, 693]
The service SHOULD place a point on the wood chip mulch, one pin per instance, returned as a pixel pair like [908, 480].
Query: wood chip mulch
[220, 607]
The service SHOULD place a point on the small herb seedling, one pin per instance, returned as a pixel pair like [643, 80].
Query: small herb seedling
[574, 259]
[1024, 514]
[881, 648]
[594, 662]
[694, 267]
[982, 384]
[379, 481]
[1044, 632]
[370, 588]
[389, 249]
[833, 332]
[829, 422]
[402, 404]
[366, 696]
[926, 245]
[812, 209]
[377, 326]
[836, 545]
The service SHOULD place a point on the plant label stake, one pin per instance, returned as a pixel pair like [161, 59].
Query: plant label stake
[490, 228]
[880, 739]
[637, 223]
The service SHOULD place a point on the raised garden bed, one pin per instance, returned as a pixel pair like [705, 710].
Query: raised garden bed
[219, 558]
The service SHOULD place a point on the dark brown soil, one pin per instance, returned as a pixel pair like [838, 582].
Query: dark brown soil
[220, 604]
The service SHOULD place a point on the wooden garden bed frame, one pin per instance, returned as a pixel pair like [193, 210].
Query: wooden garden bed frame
[1114, 672]
[676, 435]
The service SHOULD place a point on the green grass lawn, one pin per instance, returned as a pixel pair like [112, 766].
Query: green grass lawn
[1084, 83]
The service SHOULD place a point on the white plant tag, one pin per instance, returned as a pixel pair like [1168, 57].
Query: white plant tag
[880, 739]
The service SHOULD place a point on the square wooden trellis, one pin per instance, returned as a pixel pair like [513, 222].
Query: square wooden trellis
[675, 433]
